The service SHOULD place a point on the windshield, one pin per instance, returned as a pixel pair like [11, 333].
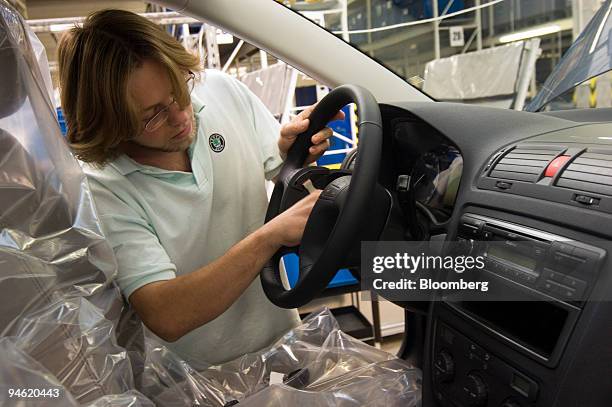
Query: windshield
[489, 52]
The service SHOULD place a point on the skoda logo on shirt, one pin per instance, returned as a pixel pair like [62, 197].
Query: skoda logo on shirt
[216, 142]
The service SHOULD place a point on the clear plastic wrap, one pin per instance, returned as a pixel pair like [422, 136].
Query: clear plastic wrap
[382, 384]
[51, 244]
[59, 304]
[64, 326]
[314, 363]
[22, 376]
[271, 85]
[170, 381]
[131, 398]
[488, 73]
[74, 340]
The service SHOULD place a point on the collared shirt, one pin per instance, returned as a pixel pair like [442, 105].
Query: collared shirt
[164, 223]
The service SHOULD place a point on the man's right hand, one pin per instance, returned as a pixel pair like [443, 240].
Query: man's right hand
[288, 227]
[171, 308]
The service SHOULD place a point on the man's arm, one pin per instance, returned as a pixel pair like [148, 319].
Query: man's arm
[172, 308]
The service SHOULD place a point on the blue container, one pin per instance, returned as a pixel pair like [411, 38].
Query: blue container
[457, 6]
[342, 278]
[342, 127]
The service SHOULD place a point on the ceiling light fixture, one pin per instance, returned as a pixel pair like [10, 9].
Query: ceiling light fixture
[536, 32]
[60, 27]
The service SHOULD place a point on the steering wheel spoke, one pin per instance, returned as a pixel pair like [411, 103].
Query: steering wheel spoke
[318, 229]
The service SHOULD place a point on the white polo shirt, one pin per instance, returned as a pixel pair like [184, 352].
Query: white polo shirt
[166, 223]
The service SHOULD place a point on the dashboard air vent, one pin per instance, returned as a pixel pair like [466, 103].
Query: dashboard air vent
[591, 172]
[525, 162]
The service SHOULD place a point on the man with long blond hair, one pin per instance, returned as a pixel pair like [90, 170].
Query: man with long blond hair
[177, 161]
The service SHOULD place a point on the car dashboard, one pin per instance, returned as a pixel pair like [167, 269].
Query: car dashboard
[459, 172]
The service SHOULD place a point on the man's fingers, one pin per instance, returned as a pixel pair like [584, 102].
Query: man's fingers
[321, 136]
[314, 195]
[292, 129]
[319, 149]
[339, 116]
[304, 114]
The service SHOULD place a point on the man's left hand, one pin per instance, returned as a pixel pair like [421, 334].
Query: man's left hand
[297, 126]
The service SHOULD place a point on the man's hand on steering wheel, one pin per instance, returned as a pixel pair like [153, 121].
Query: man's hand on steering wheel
[351, 207]
[289, 226]
[297, 126]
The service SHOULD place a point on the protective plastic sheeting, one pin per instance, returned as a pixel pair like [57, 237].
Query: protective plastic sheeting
[51, 244]
[22, 376]
[489, 73]
[59, 304]
[128, 399]
[271, 85]
[239, 378]
[314, 364]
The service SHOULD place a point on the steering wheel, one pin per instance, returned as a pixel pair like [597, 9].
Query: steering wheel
[336, 223]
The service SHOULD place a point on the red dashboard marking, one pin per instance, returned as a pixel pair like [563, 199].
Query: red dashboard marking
[555, 165]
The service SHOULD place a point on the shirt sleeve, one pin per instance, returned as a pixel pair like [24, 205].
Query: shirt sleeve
[141, 259]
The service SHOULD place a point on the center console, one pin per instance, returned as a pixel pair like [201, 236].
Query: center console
[508, 353]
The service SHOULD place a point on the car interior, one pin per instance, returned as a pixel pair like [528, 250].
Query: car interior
[508, 176]
[551, 349]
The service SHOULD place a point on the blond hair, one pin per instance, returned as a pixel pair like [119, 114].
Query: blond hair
[95, 62]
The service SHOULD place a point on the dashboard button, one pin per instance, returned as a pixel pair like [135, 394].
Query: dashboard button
[554, 275]
[586, 200]
[549, 286]
[476, 390]
[568, 260]
[575, 283]
[555, 165]
[444, 367]
[503, 185]
[524, 386]
[562, 247]
[539, 251]
[588, 260]
[567, 293]
[561, 290]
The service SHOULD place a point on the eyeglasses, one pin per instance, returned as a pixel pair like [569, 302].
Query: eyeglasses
[161, 116]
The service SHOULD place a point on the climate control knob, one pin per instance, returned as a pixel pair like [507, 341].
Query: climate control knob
[444, 367]
[475, 390]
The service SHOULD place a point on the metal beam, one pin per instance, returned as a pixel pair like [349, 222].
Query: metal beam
[232, 56]
[164, 18]
[436, 25]
[478, 18]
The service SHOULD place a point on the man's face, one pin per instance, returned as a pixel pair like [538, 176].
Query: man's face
[150, 87]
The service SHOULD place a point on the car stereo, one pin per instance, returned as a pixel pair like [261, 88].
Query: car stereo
[552, 265]
[548, 278]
